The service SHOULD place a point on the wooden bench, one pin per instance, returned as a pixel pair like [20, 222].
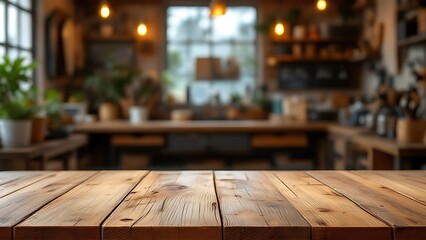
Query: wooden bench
[62, 149]
[211, 205]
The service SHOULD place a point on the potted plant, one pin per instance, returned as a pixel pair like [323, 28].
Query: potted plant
[107, 87]
[143, 98]
[17, 102]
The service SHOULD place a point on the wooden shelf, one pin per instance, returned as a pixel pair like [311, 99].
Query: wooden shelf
[114, 38]
[317, 41]
[291, 59]
[413, 40]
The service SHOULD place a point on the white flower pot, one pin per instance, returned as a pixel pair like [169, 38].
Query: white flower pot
[138, 114]
[15, 133]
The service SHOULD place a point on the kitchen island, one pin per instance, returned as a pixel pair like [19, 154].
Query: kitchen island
[194, 205]
[232, 141]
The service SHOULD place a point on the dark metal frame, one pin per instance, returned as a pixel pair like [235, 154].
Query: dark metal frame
[210, 43]
[32, 13]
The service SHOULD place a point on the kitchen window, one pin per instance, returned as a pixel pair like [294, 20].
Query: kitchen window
[16, 29]
[198, 45]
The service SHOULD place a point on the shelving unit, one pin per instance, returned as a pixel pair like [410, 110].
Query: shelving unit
[329, 71]
[410, 32]
[291, 59]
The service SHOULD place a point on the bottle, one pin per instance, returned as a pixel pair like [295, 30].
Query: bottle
[388, 116]
[381, 120]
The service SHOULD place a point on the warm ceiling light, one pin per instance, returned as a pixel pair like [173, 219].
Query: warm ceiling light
[321, 5]
[105, 11]
[279, 29]
[142, 29]
[217, 8]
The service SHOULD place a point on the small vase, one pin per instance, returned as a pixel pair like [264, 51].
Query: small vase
[15, 133]
[138, 114]
[38, 130]
[108, 112]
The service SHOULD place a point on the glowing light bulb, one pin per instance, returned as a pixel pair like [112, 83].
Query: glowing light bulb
[142, 29]
[279, 29]
[217, 8]
[321, 5]
[105, 11]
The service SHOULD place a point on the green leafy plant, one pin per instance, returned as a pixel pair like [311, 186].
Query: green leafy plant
[17, 102]
[53, 107]
[109, 83]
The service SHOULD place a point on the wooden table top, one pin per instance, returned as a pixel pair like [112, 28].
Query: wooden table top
[200, 126]
[194, 205]
[49, 147]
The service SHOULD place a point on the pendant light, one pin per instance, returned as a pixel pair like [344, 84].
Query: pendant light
[279, 28]
[104, 10]
[217, 8]
[142, 29]
[321, 5]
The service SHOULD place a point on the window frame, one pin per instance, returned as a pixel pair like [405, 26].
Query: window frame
[211, 43]
[6, 44]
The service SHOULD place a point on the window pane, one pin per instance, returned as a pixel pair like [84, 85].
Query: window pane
[13, 53]
[2, 23]
[200, 44]
[28, 59]
[177, 59]
[27, 55]
[246, 54]
[200, 93]
[26, 30]
[14, 1]
[12, 23]
[188, 23]
[237, 24]
[25, 4]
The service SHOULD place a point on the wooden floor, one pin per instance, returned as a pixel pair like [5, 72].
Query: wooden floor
[198, 205]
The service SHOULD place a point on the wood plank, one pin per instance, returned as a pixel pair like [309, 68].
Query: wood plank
[253, 208]
[79, 213]
[283, 141]
[142, 141]
[17, 206]
[331, 215]
[168, 205]
[409, 183]
[13, 181]
[407, 217]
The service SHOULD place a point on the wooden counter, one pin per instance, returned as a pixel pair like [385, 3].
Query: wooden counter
[200, 127]
[64, 148]
[210, 205]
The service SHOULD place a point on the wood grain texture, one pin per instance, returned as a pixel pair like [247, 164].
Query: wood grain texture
[331, 215]
[13, 181]
[409, 183]
[407, 217]
[79, 213]
[168, 205]
[18, 205]
[253, 208]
